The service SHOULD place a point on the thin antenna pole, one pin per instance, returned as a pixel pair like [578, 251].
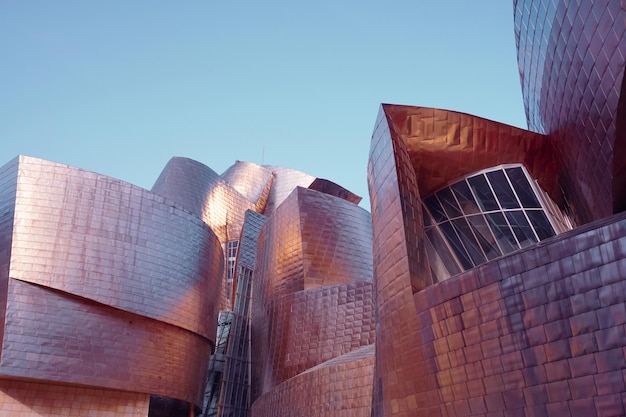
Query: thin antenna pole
[262, 154]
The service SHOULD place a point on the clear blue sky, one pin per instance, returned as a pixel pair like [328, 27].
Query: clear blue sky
[119, 87]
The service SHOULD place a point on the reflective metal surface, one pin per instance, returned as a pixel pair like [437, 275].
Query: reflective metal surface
[313, 303]
[108, 285]
[571, 57]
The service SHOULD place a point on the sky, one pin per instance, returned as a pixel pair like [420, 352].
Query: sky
[120, 87]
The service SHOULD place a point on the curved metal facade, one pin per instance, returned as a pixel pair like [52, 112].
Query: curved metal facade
[571, 57]
[118, 305]
[313, 302]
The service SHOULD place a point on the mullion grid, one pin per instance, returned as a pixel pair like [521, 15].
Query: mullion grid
[482, 213]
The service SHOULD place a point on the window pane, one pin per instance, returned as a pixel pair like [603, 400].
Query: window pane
[502, 232]
[502, 189]
[483, 193]
[522, 188]
[521, 228]
[540, 222]
[441, 259]
[449, 203]
[484, 236]
[469, 241]
[456, 245]
[435, 209]
[465, 197]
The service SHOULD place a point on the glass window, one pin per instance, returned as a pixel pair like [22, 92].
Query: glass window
[469, 241]
[521, 228]
[540, 223]
[441, 259]
[464, 196]
[485, 237]
[456, 245]
[435, 209]
[503, 190]
[449, 203]
[523, 188]
[483, 193]
[502, 232]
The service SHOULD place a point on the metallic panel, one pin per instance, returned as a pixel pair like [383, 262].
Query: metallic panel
[571, 57]
[51, 335]
[339, 387]
[400, 267]
[139, 252]
[250, 180]
[203, 192]
[310, 327]
[285, 181]
[109, 285]
[537, 332]
[312, 290]
[329, 187]
[445, 145]
[313, 239]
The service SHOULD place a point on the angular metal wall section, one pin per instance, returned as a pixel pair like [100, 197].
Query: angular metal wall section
[312, 294]
[285, 181]
[203, 192]
[339, 387]
[252, 181]
[393, 192]
[571, 58]
[538, 332]
[445, 145]
[8, 191]
[113, 286]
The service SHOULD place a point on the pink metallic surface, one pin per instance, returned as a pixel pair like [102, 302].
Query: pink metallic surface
[339, 387]
[250, 180]
[571, 57]
[312, 303]
[313, 240]
[203, 192]
[108, 285]
[285, 181]
[539, 332]
[445, 145]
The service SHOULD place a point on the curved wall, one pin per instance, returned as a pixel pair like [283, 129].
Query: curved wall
[571, 58]
[340, 387]
[250, 180]
[109, 285]
[538, 332]
[310, 327]
[312, 286]
[203, 192]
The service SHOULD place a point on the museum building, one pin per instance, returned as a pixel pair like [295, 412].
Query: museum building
[488, 279]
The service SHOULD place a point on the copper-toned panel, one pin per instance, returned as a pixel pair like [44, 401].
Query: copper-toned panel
[329, 187]
[108, 284]
[571, 57]
[137, 251]
[54, 336]
[311, 240]
[339, 387]
[250, 180]
[285, 181]
[400, 267]
[203, 192]
[445, 145]
[29, 399]
[8, 190]
[310, 327]
[537, 331]
[312, 287]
